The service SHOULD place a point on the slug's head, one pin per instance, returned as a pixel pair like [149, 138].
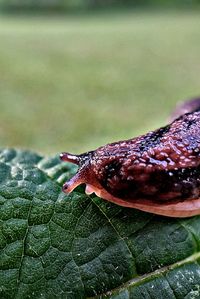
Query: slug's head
[84, 175]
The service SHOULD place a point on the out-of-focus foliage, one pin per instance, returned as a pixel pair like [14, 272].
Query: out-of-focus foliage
[67, 4]
[80, 81]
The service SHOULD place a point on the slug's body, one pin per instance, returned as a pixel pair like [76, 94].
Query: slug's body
[158, 172]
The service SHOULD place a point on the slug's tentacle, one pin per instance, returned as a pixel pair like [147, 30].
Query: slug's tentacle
[84, 175]
[77, 159]
[81, 175]
[67, 157]
[75, 181]
[158, 172]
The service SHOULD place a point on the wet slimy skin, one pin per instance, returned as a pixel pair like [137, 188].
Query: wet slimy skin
[158, 172]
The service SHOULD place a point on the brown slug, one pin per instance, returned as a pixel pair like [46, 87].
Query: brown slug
[158, 172]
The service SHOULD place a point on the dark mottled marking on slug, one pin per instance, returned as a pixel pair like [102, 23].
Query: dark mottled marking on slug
[190, 123]
[153, 138]
[112, 169]
[85, 158]
[179, 184]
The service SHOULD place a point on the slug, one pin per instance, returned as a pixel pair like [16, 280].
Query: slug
[158, 172]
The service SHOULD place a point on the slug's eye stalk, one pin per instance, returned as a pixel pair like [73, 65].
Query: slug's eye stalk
[79, 160]
[75, 159]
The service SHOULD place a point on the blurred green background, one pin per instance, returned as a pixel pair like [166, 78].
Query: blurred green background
[75, 80]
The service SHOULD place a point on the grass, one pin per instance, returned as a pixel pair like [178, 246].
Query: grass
[75, 83]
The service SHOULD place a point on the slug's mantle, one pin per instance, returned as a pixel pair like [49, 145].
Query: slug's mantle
[158, 172]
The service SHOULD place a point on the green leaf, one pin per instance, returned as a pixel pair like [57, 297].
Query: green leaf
[54, 245]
